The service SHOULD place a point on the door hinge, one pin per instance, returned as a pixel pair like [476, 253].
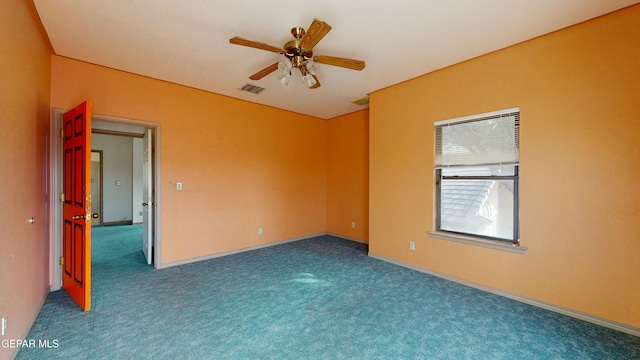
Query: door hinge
[61, 133]
[61, 260]
[61, 197]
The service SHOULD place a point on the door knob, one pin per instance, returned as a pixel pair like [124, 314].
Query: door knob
[95, 215]
[77, 217]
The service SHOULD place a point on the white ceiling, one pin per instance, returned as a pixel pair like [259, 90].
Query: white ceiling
[187, 42]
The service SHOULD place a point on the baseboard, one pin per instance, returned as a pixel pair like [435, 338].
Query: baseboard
[110, 223]
[348, 238]
[237, 251]
[541, 304]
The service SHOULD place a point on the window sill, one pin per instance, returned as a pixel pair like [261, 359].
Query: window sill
[492, 244]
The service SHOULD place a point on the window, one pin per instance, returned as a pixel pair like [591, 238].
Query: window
[476, 168]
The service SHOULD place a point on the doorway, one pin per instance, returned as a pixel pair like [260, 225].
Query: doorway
[104, 125]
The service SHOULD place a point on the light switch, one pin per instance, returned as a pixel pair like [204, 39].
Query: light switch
[118, 182]
[178, 186]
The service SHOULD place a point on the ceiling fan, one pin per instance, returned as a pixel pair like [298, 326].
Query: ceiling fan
[299, 55]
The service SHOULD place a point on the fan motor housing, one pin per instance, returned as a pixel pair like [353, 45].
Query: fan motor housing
[293, 49]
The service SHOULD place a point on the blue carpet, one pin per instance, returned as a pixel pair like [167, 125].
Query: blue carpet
[320, 298]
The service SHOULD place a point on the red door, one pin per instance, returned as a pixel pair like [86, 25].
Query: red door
[76, 240]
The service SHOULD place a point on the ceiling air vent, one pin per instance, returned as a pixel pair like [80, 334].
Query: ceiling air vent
[361, 101]
[252, 88]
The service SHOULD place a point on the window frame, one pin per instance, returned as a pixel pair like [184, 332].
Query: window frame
[512, 244]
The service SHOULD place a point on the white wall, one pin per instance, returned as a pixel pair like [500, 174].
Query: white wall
[117, 177]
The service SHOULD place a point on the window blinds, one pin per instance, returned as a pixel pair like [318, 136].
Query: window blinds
[485, 139]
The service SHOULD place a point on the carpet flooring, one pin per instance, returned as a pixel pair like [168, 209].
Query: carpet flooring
[319, 298]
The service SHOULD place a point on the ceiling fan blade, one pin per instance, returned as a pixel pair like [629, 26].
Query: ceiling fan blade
[316, 31]
[264, 72]
[342, 62]
[317, 84]
[254, 44]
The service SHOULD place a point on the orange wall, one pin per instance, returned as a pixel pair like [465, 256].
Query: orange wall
[242, 165]
[579, 94]
[348, 176]
[24, 126]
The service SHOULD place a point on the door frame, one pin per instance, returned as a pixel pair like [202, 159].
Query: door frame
[55, 189]
[99, 152]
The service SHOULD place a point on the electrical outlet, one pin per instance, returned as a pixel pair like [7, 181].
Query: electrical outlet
[178, 186]
[4, 324]
[259, 231]
[353, 224]
[412, 245]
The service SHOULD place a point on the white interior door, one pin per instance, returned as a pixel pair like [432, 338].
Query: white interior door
[147, 197]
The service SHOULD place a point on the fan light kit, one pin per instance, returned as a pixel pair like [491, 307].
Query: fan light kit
[299, 55]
